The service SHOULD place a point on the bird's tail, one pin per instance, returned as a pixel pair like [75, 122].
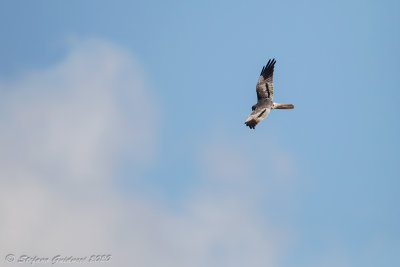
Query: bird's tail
[283, 106]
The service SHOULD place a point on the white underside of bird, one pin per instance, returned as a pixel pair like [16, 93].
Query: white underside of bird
[258, 115]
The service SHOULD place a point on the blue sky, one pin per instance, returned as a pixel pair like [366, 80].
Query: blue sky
[323, 178]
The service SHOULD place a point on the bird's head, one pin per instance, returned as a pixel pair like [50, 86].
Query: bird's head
[253, 107]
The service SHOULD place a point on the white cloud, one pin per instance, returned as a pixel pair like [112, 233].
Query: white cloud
[64, 129]
[261, 165]
[70, 120]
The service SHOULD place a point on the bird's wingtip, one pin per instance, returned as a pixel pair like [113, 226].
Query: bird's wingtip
[251, 124]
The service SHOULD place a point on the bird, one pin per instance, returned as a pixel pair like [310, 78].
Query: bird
[265, 94]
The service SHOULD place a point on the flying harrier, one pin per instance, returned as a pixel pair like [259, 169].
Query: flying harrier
[265, 93]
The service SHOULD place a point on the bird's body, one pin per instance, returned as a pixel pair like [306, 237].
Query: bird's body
[265, 93]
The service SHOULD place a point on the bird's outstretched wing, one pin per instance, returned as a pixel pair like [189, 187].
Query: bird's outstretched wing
[265, 88]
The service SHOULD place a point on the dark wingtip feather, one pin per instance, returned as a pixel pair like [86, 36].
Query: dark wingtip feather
[271, 62]
[263, 68]
[269, 68]
[252, 124]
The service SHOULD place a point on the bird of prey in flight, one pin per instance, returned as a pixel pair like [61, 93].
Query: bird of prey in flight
[265, 94]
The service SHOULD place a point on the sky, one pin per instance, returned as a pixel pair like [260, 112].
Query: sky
[122, 133]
